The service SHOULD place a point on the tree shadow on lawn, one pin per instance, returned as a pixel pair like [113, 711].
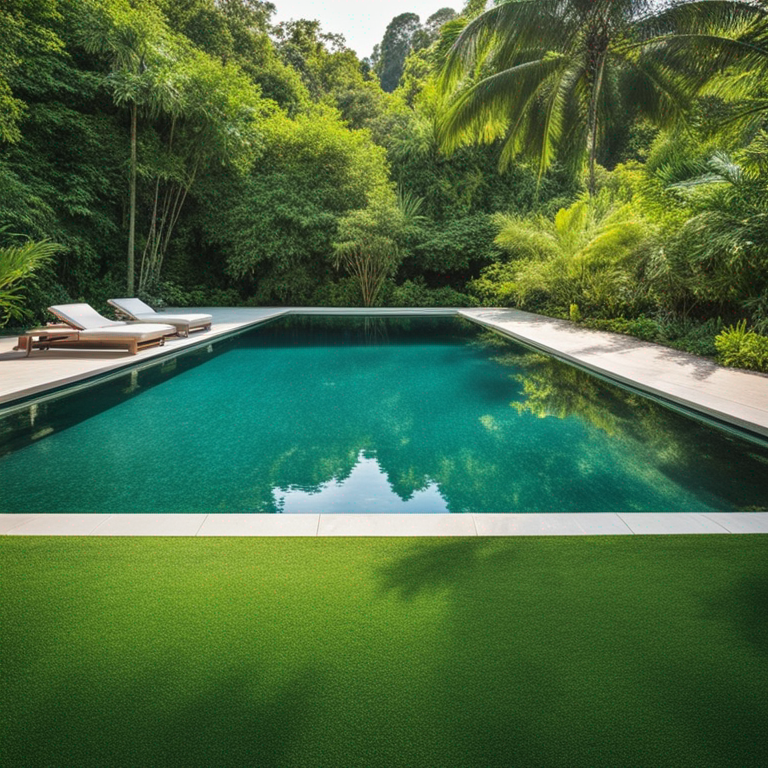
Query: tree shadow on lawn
[744, 609]
[589, 652]
[162, 718]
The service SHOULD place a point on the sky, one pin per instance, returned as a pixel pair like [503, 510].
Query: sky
[361, 22]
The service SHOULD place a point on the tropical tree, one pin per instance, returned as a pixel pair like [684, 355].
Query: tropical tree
[370, 241]
[395, 47]
[215, 118]
[140, 77]
[25, 28]
[548, 76]
[19, 263]
[278, 226]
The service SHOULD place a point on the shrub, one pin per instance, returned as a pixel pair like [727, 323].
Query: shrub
[642, 327]
[171, 294]
[417, 294]
[574, 315]
[741, 348]
[497, 285]
[691, 336]
[341, 293]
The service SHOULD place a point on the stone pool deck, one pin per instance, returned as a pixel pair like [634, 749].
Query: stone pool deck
[554, 524]
[732, 396]
[727, 394]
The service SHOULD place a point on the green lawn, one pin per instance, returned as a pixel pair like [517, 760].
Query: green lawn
[605, 651]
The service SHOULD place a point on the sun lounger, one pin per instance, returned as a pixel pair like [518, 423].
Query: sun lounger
[136, 309]
[95, 331]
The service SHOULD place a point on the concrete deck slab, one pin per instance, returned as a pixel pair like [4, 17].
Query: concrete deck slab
[259, 525]
[59, 525]
[741, 522]
[668, 522]
[552, 524]
[8, 522]
[150, 525]
[397, 525]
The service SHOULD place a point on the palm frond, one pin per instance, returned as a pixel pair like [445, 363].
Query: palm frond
[655, 90]
[551, 130]
[720, 168]
[548, 27]
[699, 56]
[525, 238]
[409, 206]
[519, 21]
[17, 264]
[700, 18]
[613, 243]
[484, 110]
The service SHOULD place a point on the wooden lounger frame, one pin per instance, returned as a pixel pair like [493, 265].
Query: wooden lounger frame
[134, 346]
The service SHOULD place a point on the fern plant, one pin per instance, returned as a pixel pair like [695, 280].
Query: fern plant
[584, 255]
[742, 348]
[19, 263]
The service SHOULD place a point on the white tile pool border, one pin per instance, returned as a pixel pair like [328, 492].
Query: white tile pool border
[554, 524]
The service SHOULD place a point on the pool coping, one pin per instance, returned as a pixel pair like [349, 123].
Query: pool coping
[511, 524]
[355, 525]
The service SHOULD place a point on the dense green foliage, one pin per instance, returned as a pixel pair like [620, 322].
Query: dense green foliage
[552, 77]
[585, 651]
[281, 221]
[222, 159]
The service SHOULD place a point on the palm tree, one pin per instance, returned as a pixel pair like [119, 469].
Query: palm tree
[19, 263]
[726, 241]
[547, 75]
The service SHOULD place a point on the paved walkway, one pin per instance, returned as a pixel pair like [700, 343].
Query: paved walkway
[735, 396]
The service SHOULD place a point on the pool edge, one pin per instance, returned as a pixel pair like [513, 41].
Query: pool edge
[391, 525]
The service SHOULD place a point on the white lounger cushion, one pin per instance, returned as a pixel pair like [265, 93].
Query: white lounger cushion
[132, 307]
[190, 319]
[81, 316]
[138, 331]
[138, 310]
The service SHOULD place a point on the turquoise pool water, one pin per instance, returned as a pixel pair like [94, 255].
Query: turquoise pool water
[338, 415]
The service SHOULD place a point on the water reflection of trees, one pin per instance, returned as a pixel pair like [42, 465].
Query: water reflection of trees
[288, 408]
[710, 462]
[479, 451]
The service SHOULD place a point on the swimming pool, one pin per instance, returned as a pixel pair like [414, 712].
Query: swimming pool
[340, 415]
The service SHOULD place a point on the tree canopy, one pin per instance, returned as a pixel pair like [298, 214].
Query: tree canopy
[607, 156]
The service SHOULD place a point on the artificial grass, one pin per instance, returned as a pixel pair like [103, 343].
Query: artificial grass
[604, 651]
